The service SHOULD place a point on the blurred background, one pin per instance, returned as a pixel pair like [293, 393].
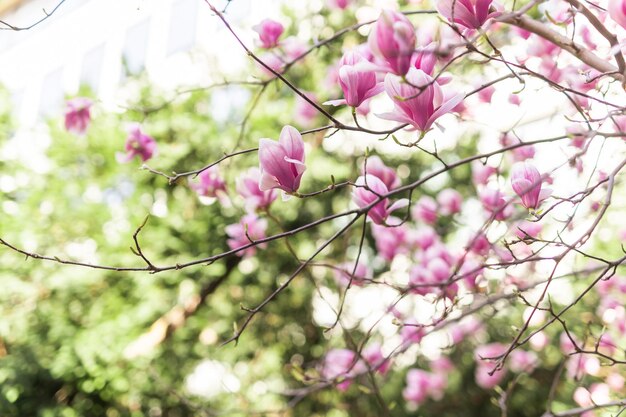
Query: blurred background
[83, 342]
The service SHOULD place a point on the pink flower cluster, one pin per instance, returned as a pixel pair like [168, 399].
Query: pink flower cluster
[138, 144]
[343, 365]
[422, 385]
[418, 97]
[78, 115]
[486, 355]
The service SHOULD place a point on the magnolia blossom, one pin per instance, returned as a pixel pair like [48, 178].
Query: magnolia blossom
[369, 189]
[411, 334]
[450, 201]
[431, 276]
[479, 244]
[425, 58]
[425, 210]
[482, 172]
[526, 182]
[209, 183]
[526, 228]
[578, 366]
[375, 359]
[247, 231]
[341, 364]
[305, 112]
[419, 107]
[293, 47]
[273, 61]
[78, 115]
[358, 82]
[493, 201]
[282, 162]
[422, 281]
[392, 40]
[523, 361]
[390, 241]
[269, 31]
[469, 13]
[248, 188]
[347, 273]
[424, 237]
[421, 385]
[137, 144]
[485, 356]
[339, 4]
[485, 94]
[375, 166]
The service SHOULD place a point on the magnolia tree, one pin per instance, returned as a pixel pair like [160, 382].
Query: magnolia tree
[442, 182]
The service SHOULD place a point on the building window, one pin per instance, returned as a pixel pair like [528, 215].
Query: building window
[92, 68]
[183, 19]
[52, 94]
[135, 46]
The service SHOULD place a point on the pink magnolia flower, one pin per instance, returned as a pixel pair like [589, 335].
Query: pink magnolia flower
[539, 341]
[523, 361]
[493, 201]
[273, 61]
[376, 167]
[392, 40]
[425, 58]
[269, 31]
[282, 162]
[470, 271]
[305, 113]
[439, 250]
[615, 381]
[248, 188]
[341, 364]
[485, 355]
[369, 189]
[450, 201]
[523, 153]
[526, 182]
[248, 230]
[357, 82]
[293, 47]
[479, 244]
[484, 379]
[485, 94]
[558, 12]
[339, 4]
[421, 280]
[489, 352]
[598, 394]
[424, 237]
[375, 359]
[421, 385]
[78, 115]
[425, 210]
[442, 365]
[515, 99]
[481, 173]
[417, 385]
[390, 241]
[578, 366]
[411, 334]
[617, 11]
[568, 344]
[469, 13]
[524, 228]
[344, 274]
[209, 183]
[419, 107]
[137, 144]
